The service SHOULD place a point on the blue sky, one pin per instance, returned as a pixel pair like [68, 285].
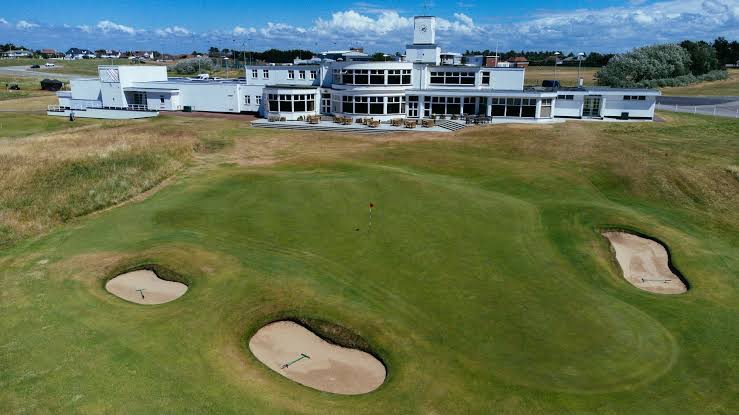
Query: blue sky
[186, 25]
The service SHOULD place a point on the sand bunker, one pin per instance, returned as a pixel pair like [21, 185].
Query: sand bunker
[644, 263]
[145, 287]
[298, 354]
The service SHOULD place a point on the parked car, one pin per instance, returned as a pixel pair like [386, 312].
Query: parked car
[49, 65]
[35, 66]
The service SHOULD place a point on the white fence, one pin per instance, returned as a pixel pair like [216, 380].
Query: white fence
[715, 110]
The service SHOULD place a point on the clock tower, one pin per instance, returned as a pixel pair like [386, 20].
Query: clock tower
[423, 49]
[424, 30]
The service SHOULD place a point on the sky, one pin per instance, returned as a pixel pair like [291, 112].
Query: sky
[185, 25]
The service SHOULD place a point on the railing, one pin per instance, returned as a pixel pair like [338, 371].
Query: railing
[132, 107]
[714, 110]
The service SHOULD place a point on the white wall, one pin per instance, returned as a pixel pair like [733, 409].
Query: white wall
[85, 89]
[568, 108]
[615, 105]
[278, 74]
[507, 78]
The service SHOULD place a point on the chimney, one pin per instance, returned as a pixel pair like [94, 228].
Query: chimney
[491, 61]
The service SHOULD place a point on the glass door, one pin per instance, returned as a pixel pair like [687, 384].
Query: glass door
[413, 109]
[591, 106]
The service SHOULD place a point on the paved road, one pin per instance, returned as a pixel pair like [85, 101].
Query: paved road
[691, 101]
[27, 72]
[727, 106]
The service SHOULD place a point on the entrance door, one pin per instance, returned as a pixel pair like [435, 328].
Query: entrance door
[139, 98]
[413, 109]
[591, 106]
[326, 104]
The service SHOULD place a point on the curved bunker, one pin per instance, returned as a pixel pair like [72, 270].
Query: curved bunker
[645, 263]
[300, 355]
[145, 287]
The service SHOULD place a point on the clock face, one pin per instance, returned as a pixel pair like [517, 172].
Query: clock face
[423, 28]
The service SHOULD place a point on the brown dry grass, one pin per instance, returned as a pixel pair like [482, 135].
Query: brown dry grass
[48, 179]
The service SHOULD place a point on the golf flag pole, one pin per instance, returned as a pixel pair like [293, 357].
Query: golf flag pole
[371, 205]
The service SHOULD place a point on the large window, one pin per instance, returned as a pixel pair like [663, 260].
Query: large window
[370, 105]
[452, 78]
[395, 105]
[290, 74]
[265, 73]
[634, 98]
[301, 75]
[372, 76]
[254, 73]
[313, 74]
[514, 107]
[291, 103]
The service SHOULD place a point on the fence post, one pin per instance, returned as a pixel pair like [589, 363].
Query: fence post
[714, 110]
[695, 110]
[675, 107]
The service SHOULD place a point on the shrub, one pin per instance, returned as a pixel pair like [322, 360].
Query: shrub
[645, 63]
[193, 66]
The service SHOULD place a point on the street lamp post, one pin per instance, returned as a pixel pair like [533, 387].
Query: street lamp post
[580, 57]
[556, 59]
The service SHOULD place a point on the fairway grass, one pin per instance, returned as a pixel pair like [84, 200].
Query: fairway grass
[484, 284]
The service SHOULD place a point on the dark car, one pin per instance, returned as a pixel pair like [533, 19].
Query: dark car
[35, 66]
[549, 83]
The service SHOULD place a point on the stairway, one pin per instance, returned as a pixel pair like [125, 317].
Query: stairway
[331, 129]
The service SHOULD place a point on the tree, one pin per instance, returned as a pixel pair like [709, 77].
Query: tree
[193, 66]
[645, 63]
[214, 52]
[702, 57]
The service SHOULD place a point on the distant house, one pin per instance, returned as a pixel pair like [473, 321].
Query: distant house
[18, 53]
[76, 53]
[110, 54]
[519, 62]
[50, 53]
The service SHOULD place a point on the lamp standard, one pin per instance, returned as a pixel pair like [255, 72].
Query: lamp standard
[556, 59]
[580, 57]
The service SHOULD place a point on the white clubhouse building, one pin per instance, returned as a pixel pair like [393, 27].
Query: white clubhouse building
[419, 86]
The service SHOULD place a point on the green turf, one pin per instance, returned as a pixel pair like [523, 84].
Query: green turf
[16, 125]
[483, 283]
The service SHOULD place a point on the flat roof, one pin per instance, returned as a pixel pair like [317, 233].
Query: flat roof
[289, 86]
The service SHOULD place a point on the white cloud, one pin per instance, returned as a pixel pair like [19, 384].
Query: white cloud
[3, 22]
[241, 31]
[107, 26]
[173, 31]
[24, 25]
[85, 28]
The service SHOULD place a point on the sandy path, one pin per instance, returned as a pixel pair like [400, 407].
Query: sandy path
[644, 263]
[330, 368]
[155, 289]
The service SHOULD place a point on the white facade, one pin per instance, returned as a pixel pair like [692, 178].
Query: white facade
[419, 87]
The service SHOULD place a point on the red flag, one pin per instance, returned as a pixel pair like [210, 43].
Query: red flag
[371, 205]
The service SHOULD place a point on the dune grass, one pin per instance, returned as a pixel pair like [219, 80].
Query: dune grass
[483, 282]
[726, 87]
[52, 171]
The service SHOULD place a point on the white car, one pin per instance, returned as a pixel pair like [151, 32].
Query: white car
[49, 65]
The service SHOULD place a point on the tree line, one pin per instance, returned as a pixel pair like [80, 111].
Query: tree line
[670, 64]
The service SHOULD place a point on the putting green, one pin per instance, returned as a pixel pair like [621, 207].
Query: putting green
[484, 285]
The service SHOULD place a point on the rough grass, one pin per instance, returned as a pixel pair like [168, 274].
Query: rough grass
[484, 284]
[48, 177]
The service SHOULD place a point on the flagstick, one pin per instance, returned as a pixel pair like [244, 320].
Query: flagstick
[370, 218]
